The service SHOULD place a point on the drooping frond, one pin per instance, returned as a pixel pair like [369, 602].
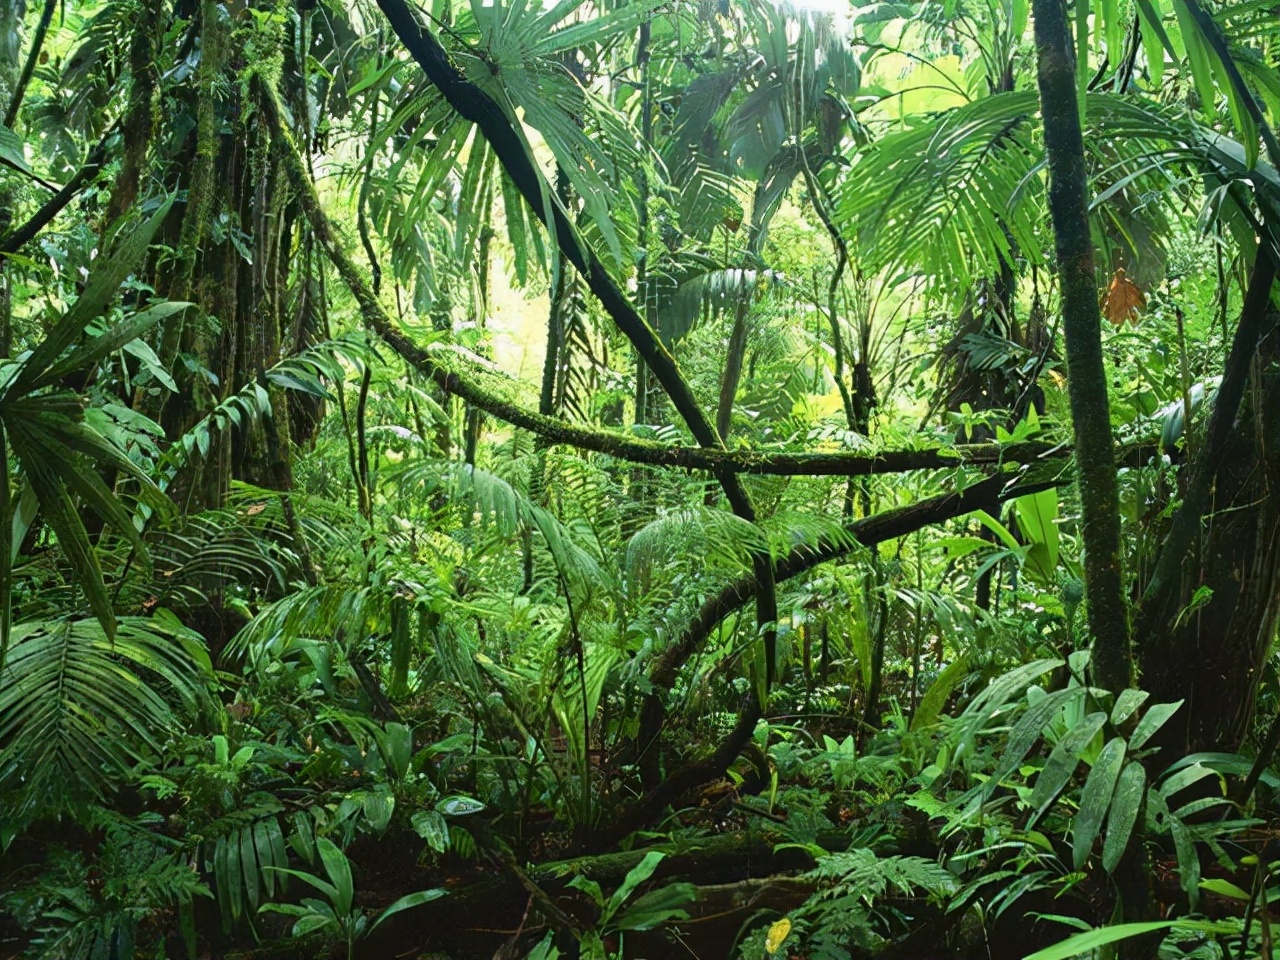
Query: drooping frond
[723, 541]
[871, 877]
[209, 552]
[953, 197]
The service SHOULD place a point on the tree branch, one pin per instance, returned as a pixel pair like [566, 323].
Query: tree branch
[609, 442]
[29, 65]
[16, 239]
[475, 105]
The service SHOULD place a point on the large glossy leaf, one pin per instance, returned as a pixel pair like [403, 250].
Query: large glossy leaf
[1126, 704]
[1155, 718]
[1037, 515]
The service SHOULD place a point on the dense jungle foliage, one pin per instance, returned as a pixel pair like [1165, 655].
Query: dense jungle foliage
[639, 479]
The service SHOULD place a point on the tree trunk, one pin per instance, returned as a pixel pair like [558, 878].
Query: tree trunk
[732, 371]
[1209, 650]
[1082, 325]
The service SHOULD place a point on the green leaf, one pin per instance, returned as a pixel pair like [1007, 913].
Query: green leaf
[999, 529]
[1155, 40]
[1188, 860]
[1085, 943]
[105, 277]
[939, 692]
[1062, 763]
[73, 539]
[395, 743]
[1028, 730]
[1185, 777]
[637, 875]
[227, 878]
[656, 907]
[1128, 702]
[109, 342]
[1131, 789]
[459, 806]
[338, 868]
[1095, 800]
[1151, 721]
[407, 902]
[588, 886]
[328, 889]
[431, 827]
[12, 151]
[295, 380]
[1112, 29]
[987, 703]
[1017, 19]
[1197, 57]
[379, 805]
[313, 922]
[303, 838]
[1224, 888]
[249, 867]
[269, 843]
[1036, 515]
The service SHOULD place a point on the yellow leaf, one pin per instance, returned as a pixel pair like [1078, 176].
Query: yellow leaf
[777, 933]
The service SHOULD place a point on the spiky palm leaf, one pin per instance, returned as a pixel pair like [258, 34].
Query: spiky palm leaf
[43, 425]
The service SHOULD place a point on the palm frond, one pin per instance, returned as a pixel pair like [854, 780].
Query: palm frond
[77, 710]
[954, 197]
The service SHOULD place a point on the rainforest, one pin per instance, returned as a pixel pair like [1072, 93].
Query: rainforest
[639, 479]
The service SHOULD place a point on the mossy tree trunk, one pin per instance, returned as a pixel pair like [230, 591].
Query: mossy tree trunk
[1082, 325]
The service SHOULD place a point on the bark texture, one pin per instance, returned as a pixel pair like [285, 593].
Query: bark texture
[1082, 325]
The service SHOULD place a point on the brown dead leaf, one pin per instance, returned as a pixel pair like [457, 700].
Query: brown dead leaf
[1124, 301]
